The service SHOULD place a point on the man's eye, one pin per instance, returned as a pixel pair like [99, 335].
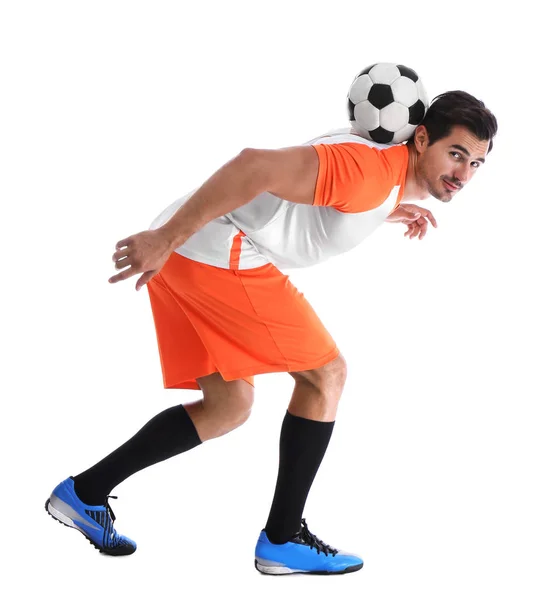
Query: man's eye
[455, 154]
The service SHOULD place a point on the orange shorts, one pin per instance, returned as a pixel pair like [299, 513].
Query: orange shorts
[236, 322]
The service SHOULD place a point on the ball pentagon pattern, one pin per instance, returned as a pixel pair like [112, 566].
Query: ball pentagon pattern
[386, 102]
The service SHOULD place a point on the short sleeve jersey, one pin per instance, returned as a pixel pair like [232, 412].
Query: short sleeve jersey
[359, 184]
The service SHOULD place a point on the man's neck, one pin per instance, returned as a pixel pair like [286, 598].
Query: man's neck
[413, 189]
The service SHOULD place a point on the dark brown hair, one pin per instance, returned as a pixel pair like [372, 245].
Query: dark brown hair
[458, 108]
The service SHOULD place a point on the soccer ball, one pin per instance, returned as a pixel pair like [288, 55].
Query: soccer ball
[386, 102]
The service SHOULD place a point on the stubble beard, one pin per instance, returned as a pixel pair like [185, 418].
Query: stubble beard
[424, 181]
[443, 196]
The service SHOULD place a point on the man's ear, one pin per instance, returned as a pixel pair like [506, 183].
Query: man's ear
[421, 138]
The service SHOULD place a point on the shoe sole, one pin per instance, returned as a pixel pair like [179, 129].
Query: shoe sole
[68, 522]
[280, 570]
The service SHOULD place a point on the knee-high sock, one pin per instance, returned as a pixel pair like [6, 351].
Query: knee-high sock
[167, 434]
[303, 443]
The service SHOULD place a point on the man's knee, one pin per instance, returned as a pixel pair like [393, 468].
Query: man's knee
[329, 379]
[228, 403]
[238, 410]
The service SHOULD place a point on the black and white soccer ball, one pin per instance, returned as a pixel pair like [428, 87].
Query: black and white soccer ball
[386, 103]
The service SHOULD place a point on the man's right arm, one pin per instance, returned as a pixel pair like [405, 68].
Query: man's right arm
[289, 173]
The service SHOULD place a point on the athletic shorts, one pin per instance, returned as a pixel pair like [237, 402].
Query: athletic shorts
[239, 323]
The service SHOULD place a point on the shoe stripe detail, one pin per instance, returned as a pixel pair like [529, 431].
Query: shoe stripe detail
[111, 539]
[69, 512]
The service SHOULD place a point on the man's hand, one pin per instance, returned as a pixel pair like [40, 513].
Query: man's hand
[415, 217]
[144, 252]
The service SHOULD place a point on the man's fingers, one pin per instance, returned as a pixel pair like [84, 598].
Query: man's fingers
[123, 275]
[120, 254]
[419, 227]
[426, 214]
[423, 228]
[123, 243]
[431, 218]
[410, 230]
[122, 264]
[145, 278]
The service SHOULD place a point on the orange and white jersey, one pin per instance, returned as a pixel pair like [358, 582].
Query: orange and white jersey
[359, 184]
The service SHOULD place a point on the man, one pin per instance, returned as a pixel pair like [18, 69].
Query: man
[224, 312]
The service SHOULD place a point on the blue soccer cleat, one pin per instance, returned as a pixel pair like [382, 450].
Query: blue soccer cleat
[95, 522]
[304, 553]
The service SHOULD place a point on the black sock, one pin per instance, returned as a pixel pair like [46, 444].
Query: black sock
[167, 434]
[303, 443]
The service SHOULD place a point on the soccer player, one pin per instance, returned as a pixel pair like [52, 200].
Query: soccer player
[224, 311]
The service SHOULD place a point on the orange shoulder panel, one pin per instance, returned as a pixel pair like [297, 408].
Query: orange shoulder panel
[355, 178]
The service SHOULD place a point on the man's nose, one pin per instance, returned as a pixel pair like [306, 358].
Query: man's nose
[463, 173]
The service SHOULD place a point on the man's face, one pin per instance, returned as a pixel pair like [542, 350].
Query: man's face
[447, 166]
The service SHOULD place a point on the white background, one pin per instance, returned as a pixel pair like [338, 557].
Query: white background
[436, 473]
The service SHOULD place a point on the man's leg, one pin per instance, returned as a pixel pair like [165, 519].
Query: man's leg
[304, 438]
[224, 407]
[286, 545]
[82, 503]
